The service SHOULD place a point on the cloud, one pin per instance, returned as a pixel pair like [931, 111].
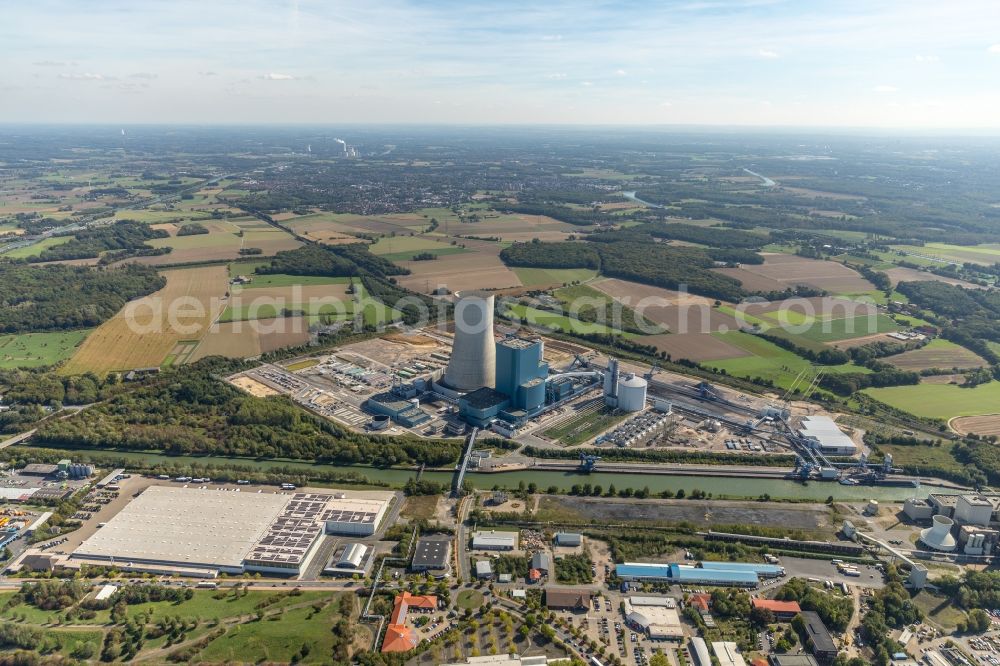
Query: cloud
[272, 76]
[84, 76]
[926, 58]
[768, 54]
[144, 75]
[551, 38]
[208, 73]
[53, 63]
[994, 49]
[666, 105]
[621, 72]
[586, 83]
[885, 89]
[556, 76]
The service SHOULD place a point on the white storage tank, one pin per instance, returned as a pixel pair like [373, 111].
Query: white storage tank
[632, 393]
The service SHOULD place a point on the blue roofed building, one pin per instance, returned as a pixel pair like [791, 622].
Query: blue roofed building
[686, 574]
[521, 372]
[762, 570]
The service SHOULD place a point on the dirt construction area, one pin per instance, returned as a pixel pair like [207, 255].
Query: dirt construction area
[146, 330]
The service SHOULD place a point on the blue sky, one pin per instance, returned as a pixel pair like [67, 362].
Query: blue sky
[906, 64]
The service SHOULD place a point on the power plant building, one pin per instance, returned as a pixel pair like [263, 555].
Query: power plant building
[473, 354]
[521, 372]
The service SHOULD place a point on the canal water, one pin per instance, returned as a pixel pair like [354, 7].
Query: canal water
[657, 483]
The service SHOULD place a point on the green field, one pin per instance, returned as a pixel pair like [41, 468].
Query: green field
[277, 640]
[390, 246]
[558, 321]
[581, 300]
[821, 332]
[36, 249]
[161, 216]
[769, 361]
[988, 253]
[269, 311]
[583, 428]
[246, 267]
[941, 401]
[281, 280]
[32, 350]
[540, 277]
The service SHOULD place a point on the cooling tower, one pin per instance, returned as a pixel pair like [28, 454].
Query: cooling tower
[473, 356]
[938, 535]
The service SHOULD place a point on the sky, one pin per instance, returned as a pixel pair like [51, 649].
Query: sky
[834, 63]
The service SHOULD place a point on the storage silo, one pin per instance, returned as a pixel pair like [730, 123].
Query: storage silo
[632, 393]
[473, 354]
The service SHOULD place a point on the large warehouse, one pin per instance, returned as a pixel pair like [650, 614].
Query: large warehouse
[821, 432]
[204, 532]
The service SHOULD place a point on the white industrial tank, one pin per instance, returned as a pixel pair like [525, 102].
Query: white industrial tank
[632, 393]
[473, 355]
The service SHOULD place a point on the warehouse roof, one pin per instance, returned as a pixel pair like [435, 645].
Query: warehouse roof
[485, 397]
[432, 553]
[826, 432]
[685, 573]
[184, 525]
[495, 539]
[772, 569]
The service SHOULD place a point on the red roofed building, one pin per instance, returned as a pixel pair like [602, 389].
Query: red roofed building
[783, 610]
[701, 602]
[399, 637]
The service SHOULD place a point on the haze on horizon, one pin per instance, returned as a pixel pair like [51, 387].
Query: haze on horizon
[852, 63]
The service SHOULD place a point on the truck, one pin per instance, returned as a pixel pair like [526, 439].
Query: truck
[207, 585]
[163, 477]
[242, 482]
[288, 486]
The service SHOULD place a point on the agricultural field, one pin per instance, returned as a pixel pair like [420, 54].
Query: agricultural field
[900, 274]
[274, 294]
[768, 361]
[547, 278]
[986, 254]
[941, 401]
[698, 347]
[536, 317]
[144, 333]
[404, 248]
[986, 426]
[479, 268]
[34, 350]
[247, 339]
[223, 242]
[780, 271]
[937, 353]
[678, 312]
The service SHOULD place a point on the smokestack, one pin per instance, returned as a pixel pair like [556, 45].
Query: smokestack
[473, 355]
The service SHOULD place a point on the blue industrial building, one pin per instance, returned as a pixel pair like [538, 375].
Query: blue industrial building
[686, 574]
[481, 406]
[762, 570]
[404, 412]
[521, 373]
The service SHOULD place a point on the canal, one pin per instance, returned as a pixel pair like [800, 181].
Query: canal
[564, 481]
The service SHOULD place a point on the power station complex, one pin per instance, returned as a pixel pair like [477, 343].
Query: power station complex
[502, 383]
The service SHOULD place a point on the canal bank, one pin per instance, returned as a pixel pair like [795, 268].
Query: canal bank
[562, 481]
